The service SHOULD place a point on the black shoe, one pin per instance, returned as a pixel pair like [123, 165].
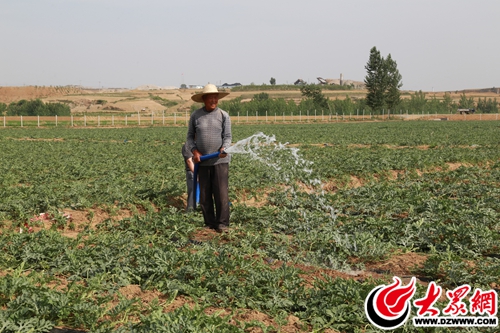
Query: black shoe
[222, 228]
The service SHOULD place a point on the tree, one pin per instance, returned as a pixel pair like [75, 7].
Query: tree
[272, 81]
[448, 103]
[465, 103]
[382, 81]
[261, 97]
[37, 108]
[313, 92]
[393, 77]
[374, 80]
[483, 106]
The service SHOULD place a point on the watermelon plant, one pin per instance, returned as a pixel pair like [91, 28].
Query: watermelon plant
[89, 215]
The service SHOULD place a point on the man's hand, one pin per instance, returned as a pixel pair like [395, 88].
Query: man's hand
[190, 164]
[196, 156]
[222, 153]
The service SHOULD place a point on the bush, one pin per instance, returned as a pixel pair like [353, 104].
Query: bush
[37, 108]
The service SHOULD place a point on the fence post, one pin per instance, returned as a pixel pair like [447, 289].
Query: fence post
[3, 121]
[138, 118]
[71, 120]
[56, 120]
[163, 117]
[38, 119]
[151, 117]
[112, 120]
[238, 117]
[85, 120]
[125, 120]
[21, 121]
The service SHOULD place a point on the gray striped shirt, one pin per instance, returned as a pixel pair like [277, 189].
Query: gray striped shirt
[212, 130]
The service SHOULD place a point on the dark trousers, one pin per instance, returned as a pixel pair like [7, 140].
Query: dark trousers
[214, 188]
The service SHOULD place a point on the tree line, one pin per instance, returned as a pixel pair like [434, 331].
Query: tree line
[383, 83]
[34, 107]
[314, 101]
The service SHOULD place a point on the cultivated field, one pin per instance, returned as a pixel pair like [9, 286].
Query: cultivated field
[93, 236]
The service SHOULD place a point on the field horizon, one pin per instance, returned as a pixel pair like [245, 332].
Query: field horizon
[119, 101]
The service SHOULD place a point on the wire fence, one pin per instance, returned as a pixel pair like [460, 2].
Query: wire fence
[181, 119]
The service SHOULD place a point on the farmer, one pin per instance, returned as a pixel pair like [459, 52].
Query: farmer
[189, 165]
[212, 128]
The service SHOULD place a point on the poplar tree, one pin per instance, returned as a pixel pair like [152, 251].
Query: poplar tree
[382, 81]
[394, 83]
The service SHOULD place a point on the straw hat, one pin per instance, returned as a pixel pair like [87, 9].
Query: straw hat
[208, 89]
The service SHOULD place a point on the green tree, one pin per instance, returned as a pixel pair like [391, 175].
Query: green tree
[272, 81]
[418, 102]
[448, 103]
[37, 108]
[313, 93]
[394, 83]
[487, 106]
[374, 80]
[465, 103]
[383, 81]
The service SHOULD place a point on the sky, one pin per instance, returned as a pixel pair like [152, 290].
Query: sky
[438, 45]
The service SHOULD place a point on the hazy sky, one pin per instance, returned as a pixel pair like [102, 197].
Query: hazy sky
[437, 44]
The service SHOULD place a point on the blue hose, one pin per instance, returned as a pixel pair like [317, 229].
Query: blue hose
[195, 175]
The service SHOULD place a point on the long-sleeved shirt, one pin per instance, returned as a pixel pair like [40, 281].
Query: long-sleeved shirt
[212, 131]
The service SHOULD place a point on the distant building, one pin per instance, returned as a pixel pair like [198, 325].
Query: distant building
[154, 87]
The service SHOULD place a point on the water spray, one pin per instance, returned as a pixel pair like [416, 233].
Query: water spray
[278, 156]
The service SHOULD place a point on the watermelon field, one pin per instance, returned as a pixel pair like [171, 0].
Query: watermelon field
[94, 236]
